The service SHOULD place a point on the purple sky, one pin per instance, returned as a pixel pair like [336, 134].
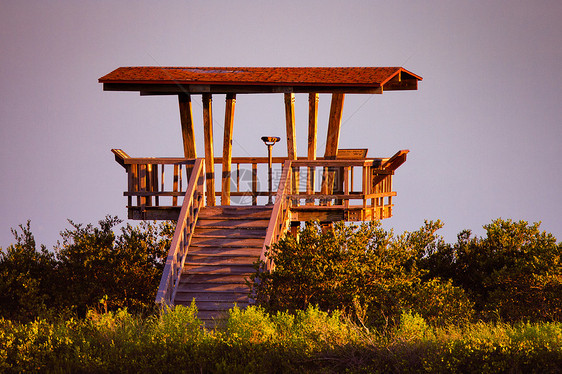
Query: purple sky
[484, 128]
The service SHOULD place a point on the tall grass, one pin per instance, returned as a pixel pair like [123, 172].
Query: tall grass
[251, 340]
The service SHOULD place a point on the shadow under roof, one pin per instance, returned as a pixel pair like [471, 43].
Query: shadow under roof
[197, 80]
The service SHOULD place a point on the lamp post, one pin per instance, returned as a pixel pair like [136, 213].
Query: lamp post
[269, 142]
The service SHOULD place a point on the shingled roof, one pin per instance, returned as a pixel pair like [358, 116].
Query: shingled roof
[174, 80]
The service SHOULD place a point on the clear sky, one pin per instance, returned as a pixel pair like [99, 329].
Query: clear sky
[484, 128]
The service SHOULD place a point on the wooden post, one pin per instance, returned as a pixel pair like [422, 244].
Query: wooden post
[227, 148]
[209, 154]
[333, 137]
[312, 140]
[334, 126]
[291, 136]
[186, 118]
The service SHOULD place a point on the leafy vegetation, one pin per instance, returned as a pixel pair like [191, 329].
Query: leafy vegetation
[513, 274]
[351, 298]
[90, 264]
[254, 341]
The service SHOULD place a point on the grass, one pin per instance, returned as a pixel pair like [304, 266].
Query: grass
[252, 341]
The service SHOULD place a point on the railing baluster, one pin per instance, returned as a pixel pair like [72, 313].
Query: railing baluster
[162, 188]
[175, 186]
[254, 183]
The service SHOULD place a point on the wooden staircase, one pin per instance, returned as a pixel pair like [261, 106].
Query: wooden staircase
[226, 241]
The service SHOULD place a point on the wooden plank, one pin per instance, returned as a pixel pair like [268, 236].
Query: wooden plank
[120, 156]
[227, 148]
[254, 184]
[211, 269]
[312, 139]
[231, 232]
[187, 126]
[235, 212]
[209, 156]
[405, 84]
[226, 251]
[175, 184]
[213, 278]
[395, 161]
[290, 125]
[352, 154]
[167, 89]
[389, 166]
[332, 139]
[312, 125]
[219, 259]
[291, 135]
[227, 242]
[229, 222]
[159, 160]
[334, 126]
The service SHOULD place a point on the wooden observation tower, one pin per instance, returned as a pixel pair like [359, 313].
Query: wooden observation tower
[217, 237]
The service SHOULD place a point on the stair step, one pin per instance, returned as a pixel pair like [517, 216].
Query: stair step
[227, 242]
[220, 260]
[213, 278]
[217, 306]
[232, 223]
[212, 316]
[218, 269]
[223, 297]
[232, 232]
[213, 287]
[242, 212]
[228, 251]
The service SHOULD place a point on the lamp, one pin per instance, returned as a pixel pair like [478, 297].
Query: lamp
[270, 141]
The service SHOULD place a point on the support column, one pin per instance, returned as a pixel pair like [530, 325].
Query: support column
[186, 119]
[312, 140]
[209, 154]
[227, 148]
[291, 136]
[334, 126]
[333, 138]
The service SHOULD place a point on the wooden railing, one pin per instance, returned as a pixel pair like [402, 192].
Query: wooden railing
[151, 184]
[280, 215]
[352, 190]
[367, 196]
[192, 203]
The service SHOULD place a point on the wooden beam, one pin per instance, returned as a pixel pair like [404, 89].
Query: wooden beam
[312, 125]
[290, 124]
[209, 154]
[291, 136]
[227, 148]
[187, 128]
[334, 126]
[168, 89]
[405, 84]
[333, 139]
[312, 139]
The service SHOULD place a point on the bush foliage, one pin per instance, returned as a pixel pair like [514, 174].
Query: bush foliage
[362, 270]
[90, 264]
[254, 341]
[512, 274]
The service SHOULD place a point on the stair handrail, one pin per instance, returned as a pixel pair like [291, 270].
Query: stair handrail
[279, 216]
[192, 202]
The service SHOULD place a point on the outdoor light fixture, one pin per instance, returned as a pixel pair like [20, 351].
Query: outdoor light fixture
[270, 142]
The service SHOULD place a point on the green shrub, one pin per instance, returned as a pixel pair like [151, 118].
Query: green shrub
[363, 271]
[309, 341]
[28, 277]
[513, 273]
[89, 264]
